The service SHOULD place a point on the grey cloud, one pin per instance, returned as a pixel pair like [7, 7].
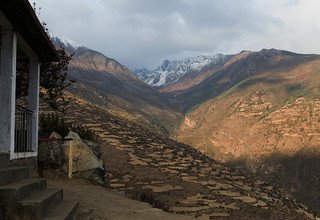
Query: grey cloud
[144, 32]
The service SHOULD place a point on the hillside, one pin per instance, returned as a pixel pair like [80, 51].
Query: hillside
[243, 66]
[105, 82]
[174, 176]
[272, 95]
[262, 112]
[256, 110]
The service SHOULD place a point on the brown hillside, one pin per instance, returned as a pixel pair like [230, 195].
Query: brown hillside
[268, 122]
[257, 119]
[105, 82]
[176, 177]
[244, 69]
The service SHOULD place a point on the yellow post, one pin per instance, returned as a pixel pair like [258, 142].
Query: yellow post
[70, 159]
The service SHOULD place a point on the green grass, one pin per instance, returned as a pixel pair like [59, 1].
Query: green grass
[296, 91]
[234, 88]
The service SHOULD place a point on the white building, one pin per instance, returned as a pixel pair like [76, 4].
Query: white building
[22, 37]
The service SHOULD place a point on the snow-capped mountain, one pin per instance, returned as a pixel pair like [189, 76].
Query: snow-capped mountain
[64, 42]
[172, 71]
[104, 81]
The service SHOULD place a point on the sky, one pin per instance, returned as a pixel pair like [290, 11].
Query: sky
[143, 33]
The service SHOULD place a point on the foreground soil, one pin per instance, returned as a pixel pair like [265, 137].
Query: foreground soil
[98, 203]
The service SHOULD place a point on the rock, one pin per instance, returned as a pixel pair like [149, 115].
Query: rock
[85, 162]
[50, 153]
[94, 147]
[55, 135]
[96, 175]
[73, 135]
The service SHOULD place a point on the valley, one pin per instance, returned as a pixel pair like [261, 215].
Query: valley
[247, 116]
[259, 112]
[175, 177]
[105, 82]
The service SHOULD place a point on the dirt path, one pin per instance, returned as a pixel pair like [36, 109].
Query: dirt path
[97, 203]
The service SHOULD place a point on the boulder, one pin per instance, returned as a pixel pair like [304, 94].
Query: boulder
[94, 147]
[55, 135]
[85, 161]
[50, 152]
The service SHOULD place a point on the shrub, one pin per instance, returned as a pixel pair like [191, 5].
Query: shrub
[52, 122]
[148, 196]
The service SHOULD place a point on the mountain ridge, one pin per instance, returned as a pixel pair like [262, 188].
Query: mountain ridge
[169, 72]
[235, 111]
[242, 66]
[261, 113]
[104, 81]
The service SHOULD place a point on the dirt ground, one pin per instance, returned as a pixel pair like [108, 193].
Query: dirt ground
[97, 203]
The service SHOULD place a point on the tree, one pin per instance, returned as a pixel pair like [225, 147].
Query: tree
[53, 76]
[53, 81]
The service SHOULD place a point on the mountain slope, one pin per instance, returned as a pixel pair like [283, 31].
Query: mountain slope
[104, 81]
[248, 98]
[247, 110]
[175, 177]
[263, 113]
[248, 66]
[170, 72]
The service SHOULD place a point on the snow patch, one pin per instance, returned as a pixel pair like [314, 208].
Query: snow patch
[171, 71]
[64, 40]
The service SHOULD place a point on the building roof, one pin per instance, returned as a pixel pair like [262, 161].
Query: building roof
[22, 16]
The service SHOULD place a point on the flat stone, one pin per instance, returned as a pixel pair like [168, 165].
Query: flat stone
[165, 188]
[117, 185]
[189, 209]
[229, 193]
[114, 181]
[138, 163]
[247, 199]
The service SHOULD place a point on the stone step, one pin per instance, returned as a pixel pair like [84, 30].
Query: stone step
[38, 205]
[66, 210]
[21, 189]
[13, 174]
[4, 160]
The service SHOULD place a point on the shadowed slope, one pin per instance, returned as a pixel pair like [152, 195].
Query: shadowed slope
[105, 82]
[249, 66]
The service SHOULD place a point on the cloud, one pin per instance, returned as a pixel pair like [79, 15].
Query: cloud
[141, 33]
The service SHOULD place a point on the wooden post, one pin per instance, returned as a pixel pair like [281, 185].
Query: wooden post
[70, 159]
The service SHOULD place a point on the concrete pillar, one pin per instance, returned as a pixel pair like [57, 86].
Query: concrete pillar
[33, 99]
[8, 65]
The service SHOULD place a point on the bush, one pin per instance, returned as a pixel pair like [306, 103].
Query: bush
[84, 133]
[147, 195]
[52, 122]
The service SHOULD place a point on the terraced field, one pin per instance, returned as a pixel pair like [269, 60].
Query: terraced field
[176, 177]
